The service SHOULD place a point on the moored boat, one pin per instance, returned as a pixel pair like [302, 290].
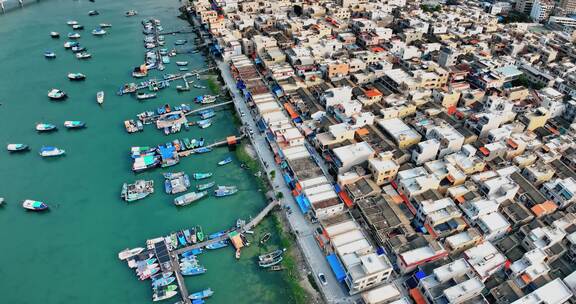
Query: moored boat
[201, 294]
[17, 147]
[100, 97]
[221, 191]
[98, 31]
[163, 281]
[265, 238]
[207, 114]
[144, 96]
[54, 34]
[69, 44]
[93, 13]
[199, 176]
[181, 63]
[49, 54]
[77, 48]
[74, 35]
[181, 238]
[225, 161]
[268, 263]
[217, 245]
[128, 253]
[271, 255]
[131, 13]
[76, 76]
[180, 42]
[72, 22]
[199, 234]
[56, 94]
[74, 124]
[77, 27]
[83, 55]
[48, 151]
[45, 127]
[206, 186]
[193, 270]
[189, 198]
[138, 190]
[105, 25]
[163, 295]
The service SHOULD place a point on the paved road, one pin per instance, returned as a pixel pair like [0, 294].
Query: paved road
[333, 291]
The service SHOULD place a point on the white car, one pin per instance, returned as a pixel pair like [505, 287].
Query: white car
[242, 114]
[322, 278]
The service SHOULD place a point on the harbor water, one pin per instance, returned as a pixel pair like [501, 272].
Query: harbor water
[69, 254]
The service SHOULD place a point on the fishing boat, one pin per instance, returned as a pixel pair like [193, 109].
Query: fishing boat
[205, 123]
[221, 191]
[208, 114]
[202, 150]
[163, 295]
[17, 147]
[69, 44]
[216, 235]
[83, 55]
[77, 27]
[190, 271]
[98, 31]
[183, 69]
[56, 94]
[165, 59]
[189, 198]
[54, 34]
[93, 13]
[199, 176]
[217, 245]
[265, 238]
[174, 240]
[187, 235]
[144, 96]
[163, 281]
[128, 253]
[77, 48]
[199, 234]
[49, 55]
[181, 63]
[45, 127]
[181, 238]
[271, 255]
[192, 253]
[73, 35]
[1, 201]
[100, 97]
[167, 288]
[138, 190]
[145, 162]
[206, 293]
[76, 76]
[131, 13]
[72, 22]
[180, 42]
[268, 263]
[74, 124]
[176, 182]
[34, 205]
[105, 25]
[48, 151]
[206, 186]
[225, 161]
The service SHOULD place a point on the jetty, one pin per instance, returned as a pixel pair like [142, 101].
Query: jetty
[163, 82]
[209, 107]
[230, 140]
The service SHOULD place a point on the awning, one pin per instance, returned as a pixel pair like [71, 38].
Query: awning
[304, 207]
[337, 268]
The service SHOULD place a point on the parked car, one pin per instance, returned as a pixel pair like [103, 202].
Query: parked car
[322, 278]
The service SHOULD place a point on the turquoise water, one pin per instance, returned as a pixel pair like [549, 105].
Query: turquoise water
[69, 255]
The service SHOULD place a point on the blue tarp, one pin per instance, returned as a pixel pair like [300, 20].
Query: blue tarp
[302, 203]
[287, 178]
[380, 251]
[420, 275]
[337, 268]
[167, 152]
[337, 188]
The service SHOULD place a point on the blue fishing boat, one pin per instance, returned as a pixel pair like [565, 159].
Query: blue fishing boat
[198, 301]
[202, 150]
[216, 235]
[217, 245]
[51, 151]
[201, 294]
[221, 191]
[191, 271]
[163, 281]
[205, 123]
[192, 252]
[181, 238]
[206, 186]
[199, 176]
[225, 161]
[207, 114]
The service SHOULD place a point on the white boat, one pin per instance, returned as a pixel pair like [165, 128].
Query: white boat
[83, 55]
[98, 31]
[76, 76]
[16, 147]
[72, 22]
[49, 54]
[128, 253]
[56, 94]
[181, 63]
[54, 34]
[73, 35]
[163, 295]
[51, 151]
[105, 25]
[77, 27]
[100, 97]
[131, 13]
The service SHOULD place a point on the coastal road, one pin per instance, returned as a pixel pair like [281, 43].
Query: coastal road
[333, 291]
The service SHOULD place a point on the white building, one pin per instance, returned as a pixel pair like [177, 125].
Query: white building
[560, 191]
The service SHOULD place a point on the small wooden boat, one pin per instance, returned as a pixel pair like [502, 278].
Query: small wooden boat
[271, 255]
[265, 238]
[17, 147]
[269, 263]
[100, 97]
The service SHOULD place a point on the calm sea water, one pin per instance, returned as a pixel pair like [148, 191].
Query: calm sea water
[69, 255]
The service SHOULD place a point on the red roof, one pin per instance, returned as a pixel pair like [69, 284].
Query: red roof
[372, 93]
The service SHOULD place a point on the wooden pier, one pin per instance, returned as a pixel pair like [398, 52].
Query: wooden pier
[213, 145]
[174, 260]
[209, 107]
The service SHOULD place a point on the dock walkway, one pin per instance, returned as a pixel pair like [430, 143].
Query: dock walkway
[255, 221]
[209, 107]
